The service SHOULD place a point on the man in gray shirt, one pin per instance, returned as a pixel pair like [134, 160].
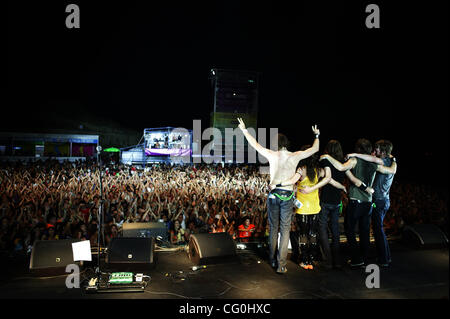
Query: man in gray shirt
[381, 185]
[363, 168]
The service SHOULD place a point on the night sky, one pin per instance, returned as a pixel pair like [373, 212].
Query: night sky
[146, 64]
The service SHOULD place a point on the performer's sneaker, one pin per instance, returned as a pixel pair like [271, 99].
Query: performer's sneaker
[356, 265]
[273, 264]
[304, 266]
[282, 270]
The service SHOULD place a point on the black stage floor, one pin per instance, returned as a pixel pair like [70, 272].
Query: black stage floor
[414, 274]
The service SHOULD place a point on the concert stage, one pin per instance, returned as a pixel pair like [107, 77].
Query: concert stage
[414, 274]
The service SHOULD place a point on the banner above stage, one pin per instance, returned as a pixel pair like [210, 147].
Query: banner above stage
[169, 152]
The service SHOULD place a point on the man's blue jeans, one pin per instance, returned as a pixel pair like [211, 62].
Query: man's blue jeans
[332, 212]
[280, 217]
[358, 212]
[382, 245]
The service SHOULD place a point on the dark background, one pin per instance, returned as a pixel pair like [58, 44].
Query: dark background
[146, 64]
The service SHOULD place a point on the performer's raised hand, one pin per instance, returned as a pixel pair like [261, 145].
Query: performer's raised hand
[241, 124]
[315, 130]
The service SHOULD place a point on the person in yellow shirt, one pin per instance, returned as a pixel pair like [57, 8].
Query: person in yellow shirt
[307, 205]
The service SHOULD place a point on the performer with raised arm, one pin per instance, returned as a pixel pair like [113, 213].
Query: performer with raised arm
[312, 177]
[283, 164]
[359, 209]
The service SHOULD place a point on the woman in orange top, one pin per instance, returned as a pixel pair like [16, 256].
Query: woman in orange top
[308, 205]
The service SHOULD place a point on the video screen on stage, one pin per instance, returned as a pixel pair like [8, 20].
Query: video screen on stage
[167, 142]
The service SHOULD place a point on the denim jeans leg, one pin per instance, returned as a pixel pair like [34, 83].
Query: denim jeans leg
[285, 228]
[351, 219]
[365, 212]
[379, 212]
[388, 249]
[273, 212]
[335, 234]
[323, 232]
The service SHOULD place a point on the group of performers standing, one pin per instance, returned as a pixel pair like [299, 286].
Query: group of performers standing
[295, 180]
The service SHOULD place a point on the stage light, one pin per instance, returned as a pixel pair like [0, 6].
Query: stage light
[213, 72]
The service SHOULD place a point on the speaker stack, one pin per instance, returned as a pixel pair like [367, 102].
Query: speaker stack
[211, 248]
[147, 230]
[50, 257]
[131, 253]
[424, 236]
[129, 256]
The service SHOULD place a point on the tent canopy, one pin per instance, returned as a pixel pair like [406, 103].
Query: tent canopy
[111, 149]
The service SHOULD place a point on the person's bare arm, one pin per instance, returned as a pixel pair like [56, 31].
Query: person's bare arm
[252, 141]
[323, 182]
[299, 155]
[335, 183]
[380, 168]
[367, 157]
[290, 181]
[358, 182]
[338, 185]
[388, 170]
[338, 165]
[353, 178]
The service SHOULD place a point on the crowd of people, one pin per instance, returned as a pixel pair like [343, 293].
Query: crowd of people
[51, 200]
[413, 203]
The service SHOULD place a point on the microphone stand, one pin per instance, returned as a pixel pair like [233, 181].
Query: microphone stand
[100, 212]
